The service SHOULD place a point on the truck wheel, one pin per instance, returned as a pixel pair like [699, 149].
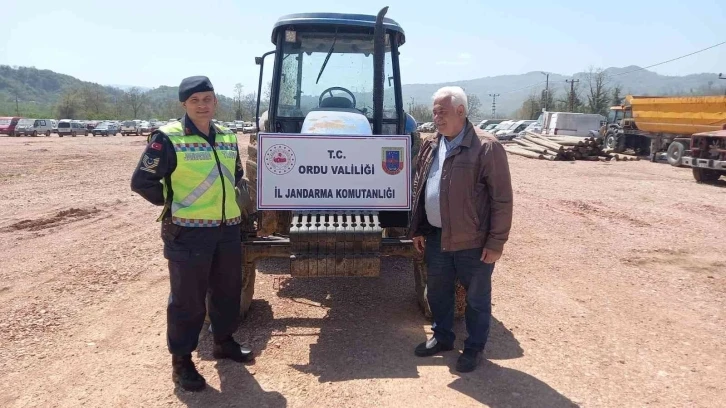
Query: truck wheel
[35, 133]
[614, 142]
[705, 175]
[420, 278]
[268, 222]
[675, 153]
[47, 133]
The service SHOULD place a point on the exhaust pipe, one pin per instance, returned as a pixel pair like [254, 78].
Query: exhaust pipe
[379, 53]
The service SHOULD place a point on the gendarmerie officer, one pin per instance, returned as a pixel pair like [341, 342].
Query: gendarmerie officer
[191, 168]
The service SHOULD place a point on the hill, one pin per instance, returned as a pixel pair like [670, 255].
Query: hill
[513, 90]
[44, 93]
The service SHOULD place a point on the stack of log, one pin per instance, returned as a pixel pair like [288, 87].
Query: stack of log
[569, 148]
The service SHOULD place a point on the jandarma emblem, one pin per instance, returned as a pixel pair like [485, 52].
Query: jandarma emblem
[148, 164]
[392, 159]
[280, 159]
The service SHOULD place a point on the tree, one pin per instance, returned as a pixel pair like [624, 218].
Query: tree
[94, 101]
[617, 99]
[135, 100]
[69, 105]
[474, 105]
[248, 106]
[531, 107]
[421, 113]
[238, 99]
[597, 97]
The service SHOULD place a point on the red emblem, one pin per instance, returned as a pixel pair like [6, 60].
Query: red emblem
[156, 146]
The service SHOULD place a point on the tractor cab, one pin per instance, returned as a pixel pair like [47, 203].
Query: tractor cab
[325, 79]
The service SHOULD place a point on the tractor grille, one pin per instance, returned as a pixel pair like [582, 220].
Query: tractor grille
[335, 243]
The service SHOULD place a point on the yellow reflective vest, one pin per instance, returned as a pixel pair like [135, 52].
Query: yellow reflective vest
[203, 182]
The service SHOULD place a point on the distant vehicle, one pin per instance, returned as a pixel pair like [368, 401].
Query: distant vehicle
[24, 127]
[35, 127]
[706, 155]
[571, 124]
[129, 127]
[490, 127]
[231, 126]
[534, 127]
[514, 129]
[144, 127]
[502, 126]
[486, 122]
[104, 129]
[8, 124]
[428, 127]
[249, 127]
[67, 127]
[55, 125]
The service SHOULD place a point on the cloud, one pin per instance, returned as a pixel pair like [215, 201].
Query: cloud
[464, 56]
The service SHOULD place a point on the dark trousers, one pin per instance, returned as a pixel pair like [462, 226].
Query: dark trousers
[476, 276]
[200, 260]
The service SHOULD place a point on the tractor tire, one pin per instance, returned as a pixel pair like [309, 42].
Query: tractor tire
[268, 222]
[614, 142]
[248, 292]
[675, 154]
[707, 176]
[420, 278]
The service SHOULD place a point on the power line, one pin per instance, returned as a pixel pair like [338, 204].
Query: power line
[628, 72]
[671, 60]
[494, 105]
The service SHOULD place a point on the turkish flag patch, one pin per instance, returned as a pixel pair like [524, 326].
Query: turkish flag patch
[156, 146]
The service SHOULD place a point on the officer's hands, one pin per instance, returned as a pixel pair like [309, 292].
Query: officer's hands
[419, 243]
[490, 256]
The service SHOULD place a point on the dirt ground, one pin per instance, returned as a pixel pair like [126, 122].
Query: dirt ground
[611, 292]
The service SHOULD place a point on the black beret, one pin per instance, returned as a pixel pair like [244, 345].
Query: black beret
[193, 85]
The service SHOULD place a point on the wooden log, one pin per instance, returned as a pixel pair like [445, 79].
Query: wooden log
[522, 152]
[544, 142]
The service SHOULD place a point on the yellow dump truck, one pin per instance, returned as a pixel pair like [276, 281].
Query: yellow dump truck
[652, 124]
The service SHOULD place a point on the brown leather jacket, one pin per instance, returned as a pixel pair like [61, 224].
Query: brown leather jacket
[476, 193]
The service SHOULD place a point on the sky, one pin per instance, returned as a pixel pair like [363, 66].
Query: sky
[159, 42]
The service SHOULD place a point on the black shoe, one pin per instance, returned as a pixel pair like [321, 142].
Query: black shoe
[468, 360]
[185, 374]
[230, 349]
[431, 347]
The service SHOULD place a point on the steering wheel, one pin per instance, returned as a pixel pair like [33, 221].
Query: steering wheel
[336, 88]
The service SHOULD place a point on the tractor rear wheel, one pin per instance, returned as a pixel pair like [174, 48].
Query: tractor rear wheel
[420, 278]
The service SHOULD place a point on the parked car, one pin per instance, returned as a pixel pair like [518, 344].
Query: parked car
[514, 130]
[487, 122]
[535, 127]
[104, 129]
[8, 124]
[24, 127]
[249, 127]
[144, 127]
[67, 127]
[501, 127]
[35, 127]
[129, 127]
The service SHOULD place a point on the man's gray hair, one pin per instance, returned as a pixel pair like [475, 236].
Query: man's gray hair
[458, 96]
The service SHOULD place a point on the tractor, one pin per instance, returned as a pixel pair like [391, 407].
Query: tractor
[334, 76]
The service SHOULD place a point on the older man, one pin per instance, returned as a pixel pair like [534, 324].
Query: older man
[461, 219]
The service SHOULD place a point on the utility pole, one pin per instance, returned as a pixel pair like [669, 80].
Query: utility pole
[720, 76]
[572, 92]
[494, 105]
[17, 108]
[547, 88]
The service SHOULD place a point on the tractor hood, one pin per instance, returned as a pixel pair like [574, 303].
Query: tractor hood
[336, 122]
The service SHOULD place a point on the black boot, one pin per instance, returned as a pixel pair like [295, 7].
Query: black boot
[232, 350]
[185, 374]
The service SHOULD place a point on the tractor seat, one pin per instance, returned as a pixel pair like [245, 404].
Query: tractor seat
[336, 102]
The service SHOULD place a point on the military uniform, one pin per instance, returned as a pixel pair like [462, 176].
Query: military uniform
[193, 177]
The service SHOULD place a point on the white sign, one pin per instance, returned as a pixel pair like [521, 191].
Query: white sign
[314, 172]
